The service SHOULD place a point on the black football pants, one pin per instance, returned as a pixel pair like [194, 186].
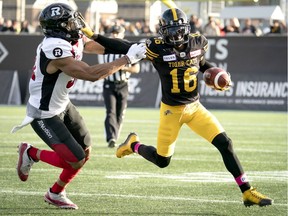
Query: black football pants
[115, 99]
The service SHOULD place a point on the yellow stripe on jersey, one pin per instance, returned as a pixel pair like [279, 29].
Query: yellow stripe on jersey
[149, 57]
[151, 54]
[194, 34]
[205, 47]
[175, 17]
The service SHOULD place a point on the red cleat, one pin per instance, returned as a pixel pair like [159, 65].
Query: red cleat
[24, 161]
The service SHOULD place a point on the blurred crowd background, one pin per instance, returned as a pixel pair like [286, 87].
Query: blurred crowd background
[141, 17]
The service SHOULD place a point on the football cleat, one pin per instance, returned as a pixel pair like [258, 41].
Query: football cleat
[24, 161]
[125, 148]
[59, 200]
[252, 197]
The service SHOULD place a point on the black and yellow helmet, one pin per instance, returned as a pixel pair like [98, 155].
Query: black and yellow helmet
[174, 28]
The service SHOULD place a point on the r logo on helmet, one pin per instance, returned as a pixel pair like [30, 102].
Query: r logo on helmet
[55, 11]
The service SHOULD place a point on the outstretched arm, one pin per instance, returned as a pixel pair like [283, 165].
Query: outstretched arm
[81, 70]
[112, 45]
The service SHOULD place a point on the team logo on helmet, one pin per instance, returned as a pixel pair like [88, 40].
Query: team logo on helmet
[55, 11]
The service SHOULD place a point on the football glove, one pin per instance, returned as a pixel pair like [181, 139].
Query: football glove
[135, 53]
[87, 31]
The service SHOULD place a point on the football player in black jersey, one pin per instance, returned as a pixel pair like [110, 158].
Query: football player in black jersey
[178, 56]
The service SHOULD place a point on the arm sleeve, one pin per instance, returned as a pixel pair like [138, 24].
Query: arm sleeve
[204, 65]
[113, 46]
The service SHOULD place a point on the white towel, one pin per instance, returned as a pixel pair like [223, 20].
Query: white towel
[27, 120]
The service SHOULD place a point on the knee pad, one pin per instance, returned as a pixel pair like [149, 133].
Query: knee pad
[78, 165]
[163, 162]
[222, 142]
[82, 162]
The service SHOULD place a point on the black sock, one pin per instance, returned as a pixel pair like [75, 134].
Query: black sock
[133, 146]
[244, 187]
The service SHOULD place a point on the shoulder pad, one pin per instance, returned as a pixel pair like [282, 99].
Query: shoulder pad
[55, 48]
[200, 39]
[152, 45]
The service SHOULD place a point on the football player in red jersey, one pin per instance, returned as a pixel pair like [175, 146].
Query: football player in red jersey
[178, 56]
[49, 111]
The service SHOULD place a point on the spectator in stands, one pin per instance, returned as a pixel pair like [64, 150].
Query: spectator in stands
[195, 24]
[132, 30]
[233, 26]
[220, 26]
[277, 27]
[249, 28]
[146, 30]
[139, 26]
[192, 22]
[283, 26]
[24, 27]
[1, 23]
[8, 27]
[211, 28]
[120, 21]
[16, 26]
[105, 25]
[199, 25]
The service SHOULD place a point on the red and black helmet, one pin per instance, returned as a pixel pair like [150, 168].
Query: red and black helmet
[174, 28]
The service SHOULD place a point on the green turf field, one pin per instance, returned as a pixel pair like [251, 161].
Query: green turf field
[195, 183]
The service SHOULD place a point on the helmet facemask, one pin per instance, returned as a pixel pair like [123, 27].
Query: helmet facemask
[72, 26]
[175, 34]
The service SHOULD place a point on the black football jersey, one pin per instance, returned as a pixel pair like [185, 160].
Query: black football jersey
[177, 70]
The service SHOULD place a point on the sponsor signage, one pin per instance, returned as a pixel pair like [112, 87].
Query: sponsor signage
[142, 89]
[258, 67]
[258, 70]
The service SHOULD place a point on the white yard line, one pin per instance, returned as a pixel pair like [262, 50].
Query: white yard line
[209, 177]
[129, 196]
[275, 176]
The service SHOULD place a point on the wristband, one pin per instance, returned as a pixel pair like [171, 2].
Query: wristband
[128, 59]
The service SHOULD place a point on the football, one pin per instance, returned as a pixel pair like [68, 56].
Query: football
[217, 78]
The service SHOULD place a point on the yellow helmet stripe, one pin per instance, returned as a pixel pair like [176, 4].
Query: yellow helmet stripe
[175, 17]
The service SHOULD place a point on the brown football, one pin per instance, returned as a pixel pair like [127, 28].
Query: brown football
[216, 78]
